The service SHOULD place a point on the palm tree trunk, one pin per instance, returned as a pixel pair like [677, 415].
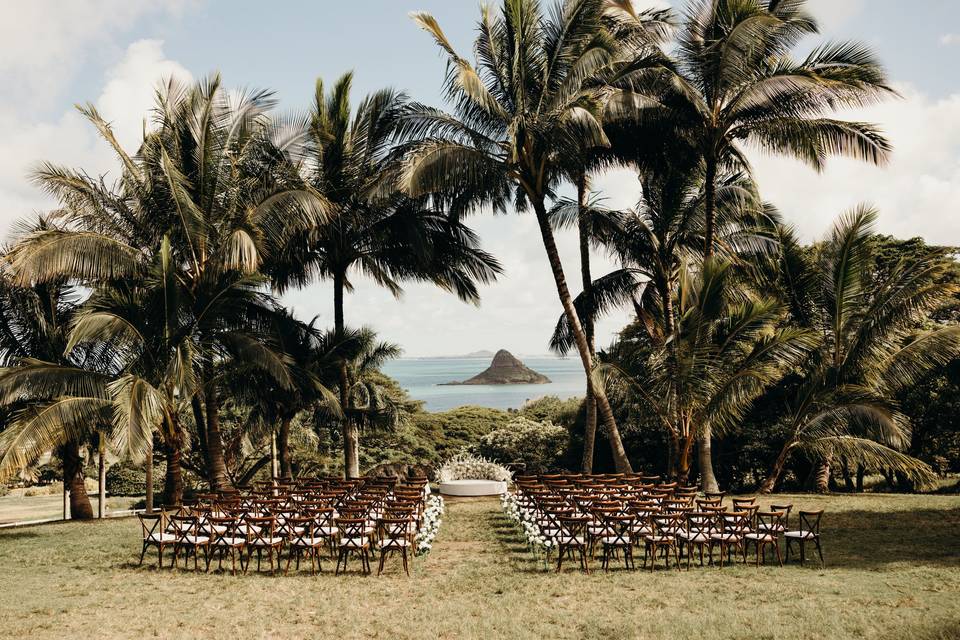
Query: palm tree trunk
[173, 482]
[620, 460]
[590, 428]
[80, 507]
[149, 476]
[708, 479]
[770, 482]
[101, 475]
[283, 449]
[217, 469]
[823, 475]
[351, 437]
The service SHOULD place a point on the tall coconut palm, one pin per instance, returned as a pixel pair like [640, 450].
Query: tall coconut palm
[873, 345]
[637, 33]
[34, 331]
[213, 193]
[722, 354]
[374, 230]
[735, 82]
[528, 104]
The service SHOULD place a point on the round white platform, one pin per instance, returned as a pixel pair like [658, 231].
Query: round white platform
[473, 488]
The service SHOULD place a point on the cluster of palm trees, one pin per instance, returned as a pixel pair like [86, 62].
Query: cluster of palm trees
[138, 306]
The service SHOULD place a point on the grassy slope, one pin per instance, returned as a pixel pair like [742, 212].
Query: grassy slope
[893, 571]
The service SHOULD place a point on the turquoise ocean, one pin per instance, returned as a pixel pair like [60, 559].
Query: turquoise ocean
[422, 378]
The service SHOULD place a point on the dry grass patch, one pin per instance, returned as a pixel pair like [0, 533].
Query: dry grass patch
[893, 571]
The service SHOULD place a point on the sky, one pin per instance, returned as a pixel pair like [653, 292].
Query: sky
[112, 53]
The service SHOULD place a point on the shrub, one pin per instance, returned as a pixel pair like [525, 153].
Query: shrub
[128, 480]
[553, 409]
[536, 445]
[466, 466]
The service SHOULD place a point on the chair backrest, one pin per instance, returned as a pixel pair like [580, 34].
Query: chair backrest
[667, 523]
[810, 521]
[743, 502]
[572, 526]
[152, 524]
[300, 530]
[261, 529]
[715, 494]
[620, 527]
[737, 522]
[223, 528]
[352, 528]
[770, 521]
[700, 523]
[394, 528]
[707, 502]
[183, 526]
[786, 508]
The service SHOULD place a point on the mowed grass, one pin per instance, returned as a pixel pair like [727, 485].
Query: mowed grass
[892, 571]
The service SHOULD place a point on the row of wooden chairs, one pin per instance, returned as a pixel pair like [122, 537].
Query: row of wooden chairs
[582, 515]
[352, 519]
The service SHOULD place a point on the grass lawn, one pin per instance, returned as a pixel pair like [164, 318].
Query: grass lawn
[893, 571]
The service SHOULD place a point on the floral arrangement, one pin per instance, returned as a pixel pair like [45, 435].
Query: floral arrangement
[466, 466]
[525, 520]
[429, 525]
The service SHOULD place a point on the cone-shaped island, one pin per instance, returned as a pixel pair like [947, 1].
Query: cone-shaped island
[506, 369]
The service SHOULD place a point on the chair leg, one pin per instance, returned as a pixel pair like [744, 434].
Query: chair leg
[816, 541]
[383, 557]
[406, 565]
[290, 552]
[776, 546]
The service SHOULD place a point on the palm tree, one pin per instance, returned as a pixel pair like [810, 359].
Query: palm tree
[34, 331]
[873, 346]
[374, 230]
[213, 194]
[529, 103]
[734, 82]
[723, 353]
[637, 32]
[312, 360]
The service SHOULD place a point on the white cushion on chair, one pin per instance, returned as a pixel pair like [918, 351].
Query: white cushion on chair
[197, 539]
[265, 542]
[695, 537]
[761, 537]
[229, 542]
[570, 540]
[308, 542]
[160, 537]
[726, 537]
[394, 542]
[803, 535]
[354, 542]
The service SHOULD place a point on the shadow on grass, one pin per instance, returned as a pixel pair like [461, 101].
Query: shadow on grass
[871, 539]
[509, 539]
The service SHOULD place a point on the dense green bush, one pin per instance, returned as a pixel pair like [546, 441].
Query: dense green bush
[129, 480]
[553, 409]
[538, 446]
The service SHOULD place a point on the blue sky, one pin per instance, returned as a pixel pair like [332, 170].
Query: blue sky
[111, 52]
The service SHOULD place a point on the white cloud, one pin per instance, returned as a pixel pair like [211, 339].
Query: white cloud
[832, 14]
[69, 139]
[43, 43]
[949, 39]
[917, 193]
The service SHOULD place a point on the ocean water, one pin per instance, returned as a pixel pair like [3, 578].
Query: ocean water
[422, 378]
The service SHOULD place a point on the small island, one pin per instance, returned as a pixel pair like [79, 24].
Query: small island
[505, 369]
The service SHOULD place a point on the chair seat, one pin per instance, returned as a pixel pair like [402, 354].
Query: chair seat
[597, 530]
[615, 541]
[355, 543]
[765, 526]
[570, 540]
[726, 537]
[229, 542]
[326, 531]
[248, 528]
[267, 542]
[801, 535]
[658, 539]
[308, 542]
[761, 537]
[397, 543]
[641, 529]
[213, 528]
[695, 537]
[190, 539]
[160, 537]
